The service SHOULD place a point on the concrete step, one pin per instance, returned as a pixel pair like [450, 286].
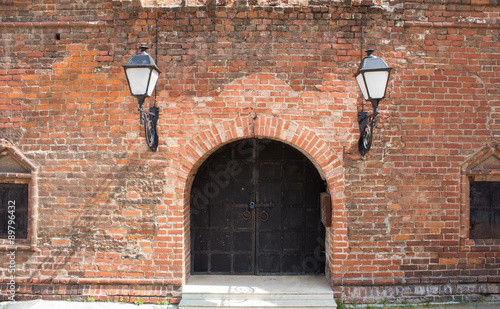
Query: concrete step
[252, 304]
[257, 296]
[244, 292]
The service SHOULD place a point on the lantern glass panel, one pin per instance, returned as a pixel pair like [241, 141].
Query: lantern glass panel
[138, 80]
[152, 82]
[376, 83]
[362, 86]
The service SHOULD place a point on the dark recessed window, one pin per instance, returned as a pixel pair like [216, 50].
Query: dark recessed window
[484, 210]
[14, 204]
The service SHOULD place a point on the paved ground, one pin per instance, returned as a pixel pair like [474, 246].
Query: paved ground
[42, 304]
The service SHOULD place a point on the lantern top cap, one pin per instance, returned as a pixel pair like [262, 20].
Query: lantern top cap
[372, 63]
[141, 60]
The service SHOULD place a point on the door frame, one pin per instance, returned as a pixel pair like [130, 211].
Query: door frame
[189, 157]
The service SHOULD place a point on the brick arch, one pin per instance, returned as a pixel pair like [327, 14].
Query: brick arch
[202, 146]
[327, 162]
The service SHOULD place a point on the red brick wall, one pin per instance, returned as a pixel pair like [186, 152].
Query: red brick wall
[113, 215]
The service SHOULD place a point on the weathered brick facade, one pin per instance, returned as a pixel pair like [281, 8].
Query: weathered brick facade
[113, 218]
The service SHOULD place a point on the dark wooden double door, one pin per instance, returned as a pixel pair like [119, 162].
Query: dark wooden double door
[255, 210]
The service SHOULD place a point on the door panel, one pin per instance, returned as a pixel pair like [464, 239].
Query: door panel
[255, 210]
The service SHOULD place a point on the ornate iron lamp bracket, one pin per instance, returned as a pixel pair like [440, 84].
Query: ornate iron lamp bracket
[366, 124]
[149, 119]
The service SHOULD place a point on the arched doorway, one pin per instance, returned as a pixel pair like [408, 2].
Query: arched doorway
[255, 211]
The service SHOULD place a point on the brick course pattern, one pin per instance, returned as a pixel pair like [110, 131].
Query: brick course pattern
[113, 217]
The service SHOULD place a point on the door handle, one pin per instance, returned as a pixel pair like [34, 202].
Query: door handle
[263, 216]
[246, 215]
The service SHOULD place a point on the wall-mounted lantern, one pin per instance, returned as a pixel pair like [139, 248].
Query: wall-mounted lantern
[372, 77]
[142, 75]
